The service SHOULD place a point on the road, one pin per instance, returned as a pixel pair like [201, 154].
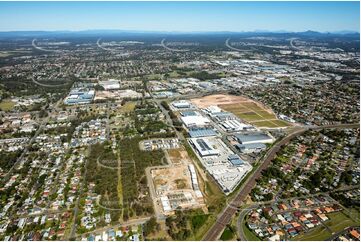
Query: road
[292, 45]
[47, 85]
[170, 49]
[233, 48]
[103, 48]
[225, 217]
[42, 49]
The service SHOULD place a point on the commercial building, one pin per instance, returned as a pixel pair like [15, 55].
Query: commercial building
[251, 148]
[80, 96]
[192, 119]
[254, 137]
[181, 104]
[235, 125]
[201, 132]
[204, 147]
[227, 168]
[111, 84]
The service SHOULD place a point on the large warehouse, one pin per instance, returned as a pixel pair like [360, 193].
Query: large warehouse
[194, 119]
[254, 137]
[203, 147]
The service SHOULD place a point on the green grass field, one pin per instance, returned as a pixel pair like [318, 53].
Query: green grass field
[227, 234]
[254, 114]
[319, 233]
[6, 105]
[250, 236]
[338, 221]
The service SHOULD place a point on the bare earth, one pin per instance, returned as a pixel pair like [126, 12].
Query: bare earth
[222, 99]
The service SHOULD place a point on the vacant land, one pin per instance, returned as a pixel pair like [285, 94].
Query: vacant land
[227, 234]
[317, 234]
[217, 99]
[255, 114]
[6, 105]
[128, 107]
[339, 221]
[246, 109]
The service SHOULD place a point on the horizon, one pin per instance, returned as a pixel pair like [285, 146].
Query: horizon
[188, 17]
[344, 31]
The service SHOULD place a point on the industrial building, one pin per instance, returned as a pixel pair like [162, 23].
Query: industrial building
[80, 96]
[235, 125]
[181, 104]
[191, 119]
[251, 148]
[254, 137]
[201, 132]
[204, 147]
[111, 84]
[227, 168]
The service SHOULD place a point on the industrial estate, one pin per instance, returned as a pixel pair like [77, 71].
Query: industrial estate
[149, 136]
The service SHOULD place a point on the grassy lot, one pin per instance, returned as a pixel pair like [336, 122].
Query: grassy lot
[320, 233]
[227, 234]
[249, 235]
[128, 107]
[354, 213]
[281, 123]
[338, 221]
[154, 76]
[255, 114]
[268, 124]
[6, 105]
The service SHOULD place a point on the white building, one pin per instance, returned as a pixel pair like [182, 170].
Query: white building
[111, 84]
[203, 147]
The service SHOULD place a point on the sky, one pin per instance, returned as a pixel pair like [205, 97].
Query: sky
[181, 16]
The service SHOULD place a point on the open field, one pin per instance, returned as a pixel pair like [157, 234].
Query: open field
[6, 105]
[318, 234]
[218, 99]
[128, 107]
[339, 221]
[246, 109]
[178, 156]
[13, 52]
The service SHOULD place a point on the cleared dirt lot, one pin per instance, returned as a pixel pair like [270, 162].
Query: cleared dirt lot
[217, 99]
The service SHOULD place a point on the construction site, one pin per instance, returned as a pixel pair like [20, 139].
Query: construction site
[176, 185]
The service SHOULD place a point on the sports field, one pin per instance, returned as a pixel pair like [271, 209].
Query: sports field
[246, 109]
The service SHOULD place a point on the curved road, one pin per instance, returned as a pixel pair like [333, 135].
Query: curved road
[292, 45]
[233, 48]
[103, 48]
[171, 49]
[47, 85]
[225, 217]
[42, 49]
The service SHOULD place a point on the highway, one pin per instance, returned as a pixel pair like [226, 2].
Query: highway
[292, 45]
[225, 216]
[47, 85]
[171, 49]
[42, 49]
[233, 48]
[103, 48]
